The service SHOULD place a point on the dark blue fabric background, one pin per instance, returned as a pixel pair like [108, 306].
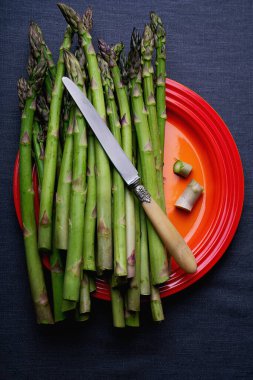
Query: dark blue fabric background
[208, 329]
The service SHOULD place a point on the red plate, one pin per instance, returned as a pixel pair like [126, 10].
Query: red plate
[195, 133]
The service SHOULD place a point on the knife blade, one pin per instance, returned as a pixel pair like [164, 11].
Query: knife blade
[173, 241]
[103, 134]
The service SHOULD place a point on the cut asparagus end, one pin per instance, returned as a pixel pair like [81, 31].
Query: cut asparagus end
[132, 318]
[191, 194]
[117, 308]
[182, 169]
[81, 317]
[85, 302]
[156, 305]
[92, 283]
[68, 305]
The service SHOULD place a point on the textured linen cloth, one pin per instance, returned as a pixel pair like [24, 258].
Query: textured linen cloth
[208, 330]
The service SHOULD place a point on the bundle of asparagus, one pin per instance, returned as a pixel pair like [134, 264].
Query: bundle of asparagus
[89, 222]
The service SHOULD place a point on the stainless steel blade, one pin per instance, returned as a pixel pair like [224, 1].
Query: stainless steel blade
[103, 134]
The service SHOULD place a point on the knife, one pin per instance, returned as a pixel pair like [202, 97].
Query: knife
[171, 238]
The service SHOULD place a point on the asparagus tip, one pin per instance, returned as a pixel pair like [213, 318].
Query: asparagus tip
[23, 88]
[70, 15]
[147, 43]
[88, 19]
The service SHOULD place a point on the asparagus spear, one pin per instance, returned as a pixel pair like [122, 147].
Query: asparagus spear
[160, 44]
[79, 54]
[56, 265]
[90, 214]
[67, 103]
[85, 304]
[57, 278]
[156, 305]
[123, 66]
[147, 47]
[133, 293]
[117, 307]
[42, 112]
[88, 19]
[47, 193]
[39, 46]
[119, 211]
[132, 318]
[104, 235]
[68, 305]
[39, 135]
[35, 272]
[38, 149]
[92, 283]
[111, 55]
[64, 188]
[158, 257]
[39, 49]
[144, 253]
[77, 201]
[89, 262]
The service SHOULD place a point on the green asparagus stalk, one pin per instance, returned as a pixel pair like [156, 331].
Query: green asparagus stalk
[66, 107]
[92, 283]
[117, 308]
[147, 47]
[72, 276]
[145, 278]
[132, 318]
[104, 235]
[85, 304]
[38, 47]
[39, 135]
[158, 257]
[156, 305]
[42, 112]
[160, 44]
[111, 55]
[58, 160]
[120, 282]
[144, 252]
[79, 54]
[81, 317]
[119, 211]
[57, 278]
[47, 193]
[123, 66]
[56, 265]
[64, 188]
[134, 291]
[89, 262]
[68, 305]
[89, 95]
[35, 272]
[38, 149]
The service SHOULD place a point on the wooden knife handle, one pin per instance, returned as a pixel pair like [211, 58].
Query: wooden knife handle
[171, 238]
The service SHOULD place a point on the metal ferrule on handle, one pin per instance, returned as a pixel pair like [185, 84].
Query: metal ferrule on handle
[139, 190]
